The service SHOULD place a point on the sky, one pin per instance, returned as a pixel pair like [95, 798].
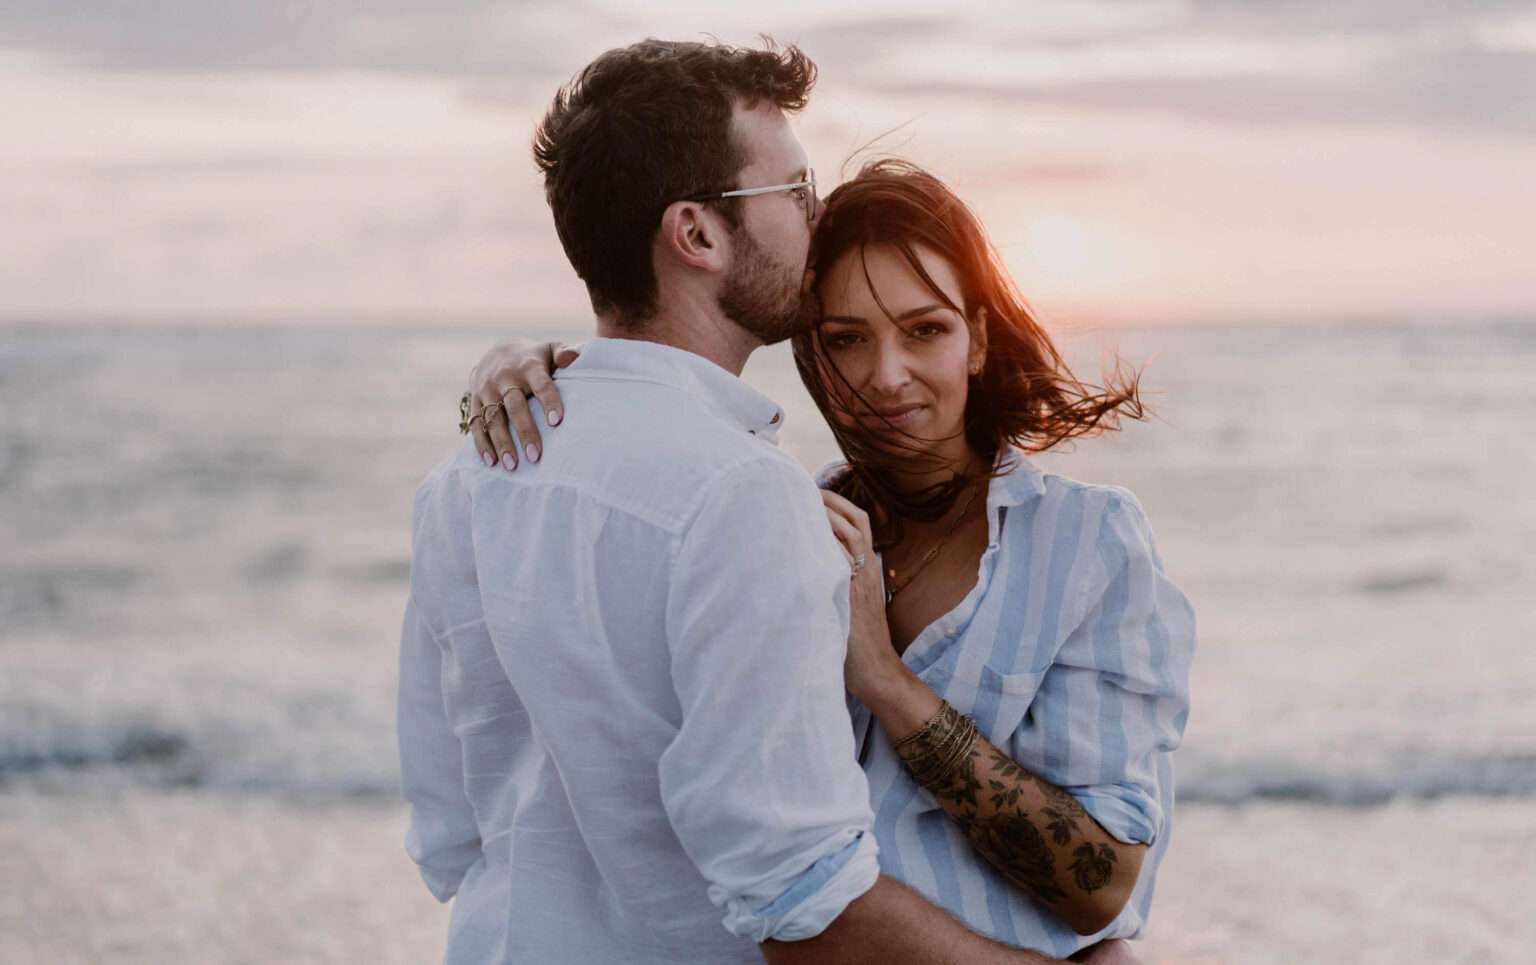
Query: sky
[1135, 161]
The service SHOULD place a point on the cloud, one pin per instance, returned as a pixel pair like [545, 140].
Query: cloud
[1464, 89]
[447, 37]
[1046, 173]
[1324, 17]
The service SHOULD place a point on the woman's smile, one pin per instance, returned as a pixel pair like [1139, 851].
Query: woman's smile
[899, 416]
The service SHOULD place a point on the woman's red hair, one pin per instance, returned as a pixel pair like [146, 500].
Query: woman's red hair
[1025, 395]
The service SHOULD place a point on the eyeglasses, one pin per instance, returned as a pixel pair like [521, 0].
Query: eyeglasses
[806, 197]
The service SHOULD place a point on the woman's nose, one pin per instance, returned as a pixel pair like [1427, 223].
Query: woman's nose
[891, 372]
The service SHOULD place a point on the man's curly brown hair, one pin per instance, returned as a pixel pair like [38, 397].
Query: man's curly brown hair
[639, 128]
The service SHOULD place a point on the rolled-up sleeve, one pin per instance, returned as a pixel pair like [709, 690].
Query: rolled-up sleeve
[761, 784]
[1116, 698]
[442, 837]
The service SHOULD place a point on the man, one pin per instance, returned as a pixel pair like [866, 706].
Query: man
[624, 720]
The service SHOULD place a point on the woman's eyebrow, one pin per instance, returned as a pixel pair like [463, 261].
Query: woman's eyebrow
[924, 310]
[909, 313]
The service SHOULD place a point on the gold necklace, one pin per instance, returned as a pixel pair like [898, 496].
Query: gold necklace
[928, 557]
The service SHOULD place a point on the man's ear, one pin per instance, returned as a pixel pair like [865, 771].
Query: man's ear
[693, 236]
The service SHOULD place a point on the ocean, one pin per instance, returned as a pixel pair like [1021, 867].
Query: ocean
[204, 548]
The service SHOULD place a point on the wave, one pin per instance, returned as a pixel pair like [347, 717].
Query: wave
[75, 749]
[1415, 776]
[1410, 581]
[147, 752]
[47, 592]
[151, 754]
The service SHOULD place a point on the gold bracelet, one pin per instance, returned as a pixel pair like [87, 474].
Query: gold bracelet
[939, 748]
[929, 725]
[938, 770]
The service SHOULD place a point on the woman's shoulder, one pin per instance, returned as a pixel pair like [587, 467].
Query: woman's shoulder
[1114, 512]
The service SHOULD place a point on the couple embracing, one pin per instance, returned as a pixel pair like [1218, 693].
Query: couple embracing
[654, 679]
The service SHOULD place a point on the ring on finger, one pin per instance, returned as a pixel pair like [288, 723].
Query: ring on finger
[510, 391]
[486, 412]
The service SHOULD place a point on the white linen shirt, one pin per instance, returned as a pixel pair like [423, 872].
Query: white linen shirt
[621, 710]
[1072, 654]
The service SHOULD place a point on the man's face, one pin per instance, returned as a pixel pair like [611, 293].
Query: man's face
[762, 290]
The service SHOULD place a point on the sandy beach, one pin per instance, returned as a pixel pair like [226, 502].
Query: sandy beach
[140, 876]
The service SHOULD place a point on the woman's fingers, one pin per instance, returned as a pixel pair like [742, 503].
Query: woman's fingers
[483, 444]
[520, 417]
[499, 388]
[548, 395]
[503, 450]
[853, 514]
[847, 555]
[847, 534]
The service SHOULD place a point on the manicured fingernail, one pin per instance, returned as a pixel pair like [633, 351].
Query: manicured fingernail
[554, 417]
[488, 459]
[508, 463]
[533, 452]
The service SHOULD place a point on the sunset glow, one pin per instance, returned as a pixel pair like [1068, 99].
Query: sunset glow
[1066, 255]
[1162, 162]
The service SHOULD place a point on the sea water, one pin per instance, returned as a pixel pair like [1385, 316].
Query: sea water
[204, 548]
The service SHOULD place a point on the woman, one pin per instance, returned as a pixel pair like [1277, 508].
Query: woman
[1018, 661]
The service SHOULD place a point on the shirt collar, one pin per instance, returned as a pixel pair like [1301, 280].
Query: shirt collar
[725, 394]
[1021, 480]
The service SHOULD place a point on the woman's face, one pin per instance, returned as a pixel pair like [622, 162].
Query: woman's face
[910, 366]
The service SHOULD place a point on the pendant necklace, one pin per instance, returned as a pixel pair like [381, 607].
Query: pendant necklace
[928, 557]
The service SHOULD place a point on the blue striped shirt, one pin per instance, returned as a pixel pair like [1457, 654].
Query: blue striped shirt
[1072, 654]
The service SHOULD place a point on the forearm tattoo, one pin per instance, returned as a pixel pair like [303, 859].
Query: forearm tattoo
[948, 758]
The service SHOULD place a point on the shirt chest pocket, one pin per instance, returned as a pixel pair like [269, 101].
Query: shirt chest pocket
[997, 702]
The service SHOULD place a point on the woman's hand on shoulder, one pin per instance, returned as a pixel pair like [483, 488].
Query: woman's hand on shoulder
[872, 661]
[499, 387]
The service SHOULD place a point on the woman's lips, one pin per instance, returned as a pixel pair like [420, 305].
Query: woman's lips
[897, 415]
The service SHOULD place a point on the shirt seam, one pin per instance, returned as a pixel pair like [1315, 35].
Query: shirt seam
[720, 406]
[656, 520]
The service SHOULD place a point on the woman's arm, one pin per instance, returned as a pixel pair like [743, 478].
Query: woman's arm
[497, 399]
[1034, 833]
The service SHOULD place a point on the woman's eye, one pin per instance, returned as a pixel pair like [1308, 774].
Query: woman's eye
[841, 340]
[928, 330]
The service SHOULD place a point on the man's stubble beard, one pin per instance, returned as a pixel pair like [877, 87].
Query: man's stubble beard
[764, 296]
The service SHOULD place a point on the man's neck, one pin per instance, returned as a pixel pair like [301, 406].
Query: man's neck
[693, 328]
